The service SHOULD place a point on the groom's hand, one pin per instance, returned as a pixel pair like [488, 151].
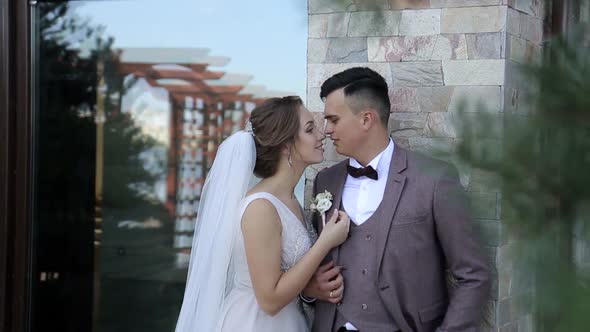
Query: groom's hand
[327, 284]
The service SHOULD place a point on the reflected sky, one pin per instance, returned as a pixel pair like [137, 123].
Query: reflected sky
[263, 38]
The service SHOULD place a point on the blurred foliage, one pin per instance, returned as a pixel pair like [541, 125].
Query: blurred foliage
[542, 160]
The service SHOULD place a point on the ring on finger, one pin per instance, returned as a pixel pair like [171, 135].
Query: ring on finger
[331, 293]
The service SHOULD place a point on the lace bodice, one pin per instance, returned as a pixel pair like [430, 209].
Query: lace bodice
[296, 238]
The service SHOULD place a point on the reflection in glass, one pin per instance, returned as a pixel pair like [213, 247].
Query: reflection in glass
[160, 139]
[126, 137]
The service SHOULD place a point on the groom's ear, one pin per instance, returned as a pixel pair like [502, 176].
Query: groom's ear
[369, 118]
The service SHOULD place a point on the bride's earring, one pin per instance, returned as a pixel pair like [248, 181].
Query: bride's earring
[289, 160]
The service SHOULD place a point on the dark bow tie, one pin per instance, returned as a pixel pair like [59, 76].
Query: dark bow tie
[368, 171]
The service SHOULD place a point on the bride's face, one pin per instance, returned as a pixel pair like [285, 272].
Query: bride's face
[310, 140]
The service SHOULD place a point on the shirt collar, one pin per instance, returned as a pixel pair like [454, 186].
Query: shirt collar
[376, 163]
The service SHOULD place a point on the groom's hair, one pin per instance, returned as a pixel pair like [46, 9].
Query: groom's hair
[363, 88]
[275, 124]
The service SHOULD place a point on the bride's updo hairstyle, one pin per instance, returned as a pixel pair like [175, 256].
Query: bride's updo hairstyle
[275, 124]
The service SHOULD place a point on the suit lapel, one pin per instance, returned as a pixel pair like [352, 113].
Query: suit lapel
[336, 187]
[338, 183]
[391, 196]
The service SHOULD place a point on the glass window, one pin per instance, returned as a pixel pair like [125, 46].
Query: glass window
[133, 99]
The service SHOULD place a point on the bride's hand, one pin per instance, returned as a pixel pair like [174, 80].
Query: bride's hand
[336, 230]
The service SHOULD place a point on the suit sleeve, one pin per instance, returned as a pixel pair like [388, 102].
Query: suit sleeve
[463, 253]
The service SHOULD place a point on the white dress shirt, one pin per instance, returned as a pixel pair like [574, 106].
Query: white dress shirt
[361, 196]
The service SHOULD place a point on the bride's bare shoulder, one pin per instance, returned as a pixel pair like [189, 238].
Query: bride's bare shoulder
[261, 213]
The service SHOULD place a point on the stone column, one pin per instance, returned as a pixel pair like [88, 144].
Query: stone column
[524, 37]
[435, 54]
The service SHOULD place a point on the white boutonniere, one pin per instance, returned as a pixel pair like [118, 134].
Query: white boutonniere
[322, 203]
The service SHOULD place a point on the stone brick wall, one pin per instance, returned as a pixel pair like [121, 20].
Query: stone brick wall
[435, 54]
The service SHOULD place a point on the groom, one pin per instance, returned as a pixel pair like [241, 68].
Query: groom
[411, 225]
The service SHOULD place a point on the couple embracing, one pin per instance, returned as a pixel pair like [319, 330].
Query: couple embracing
[398, 224]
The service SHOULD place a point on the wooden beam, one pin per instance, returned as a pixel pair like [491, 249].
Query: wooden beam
[16, 129]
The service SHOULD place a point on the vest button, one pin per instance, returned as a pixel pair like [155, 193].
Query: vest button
[364, 306]
[368, 237]
[364, 271]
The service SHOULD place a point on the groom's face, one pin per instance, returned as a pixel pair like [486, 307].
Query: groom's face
[343, 126]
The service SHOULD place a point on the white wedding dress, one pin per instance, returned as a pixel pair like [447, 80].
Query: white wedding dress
[240, 311]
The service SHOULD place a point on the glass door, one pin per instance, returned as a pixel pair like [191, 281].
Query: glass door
[132, 99]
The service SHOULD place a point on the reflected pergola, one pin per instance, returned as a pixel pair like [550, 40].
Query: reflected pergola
[193, 107]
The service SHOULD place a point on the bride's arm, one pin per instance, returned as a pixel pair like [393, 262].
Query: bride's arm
[262, 229]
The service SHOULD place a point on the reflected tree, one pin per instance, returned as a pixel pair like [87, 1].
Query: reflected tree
[134, 262]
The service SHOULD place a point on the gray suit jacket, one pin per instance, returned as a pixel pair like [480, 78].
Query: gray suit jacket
[429, 234]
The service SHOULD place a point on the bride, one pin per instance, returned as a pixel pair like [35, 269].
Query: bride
[252, 251]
